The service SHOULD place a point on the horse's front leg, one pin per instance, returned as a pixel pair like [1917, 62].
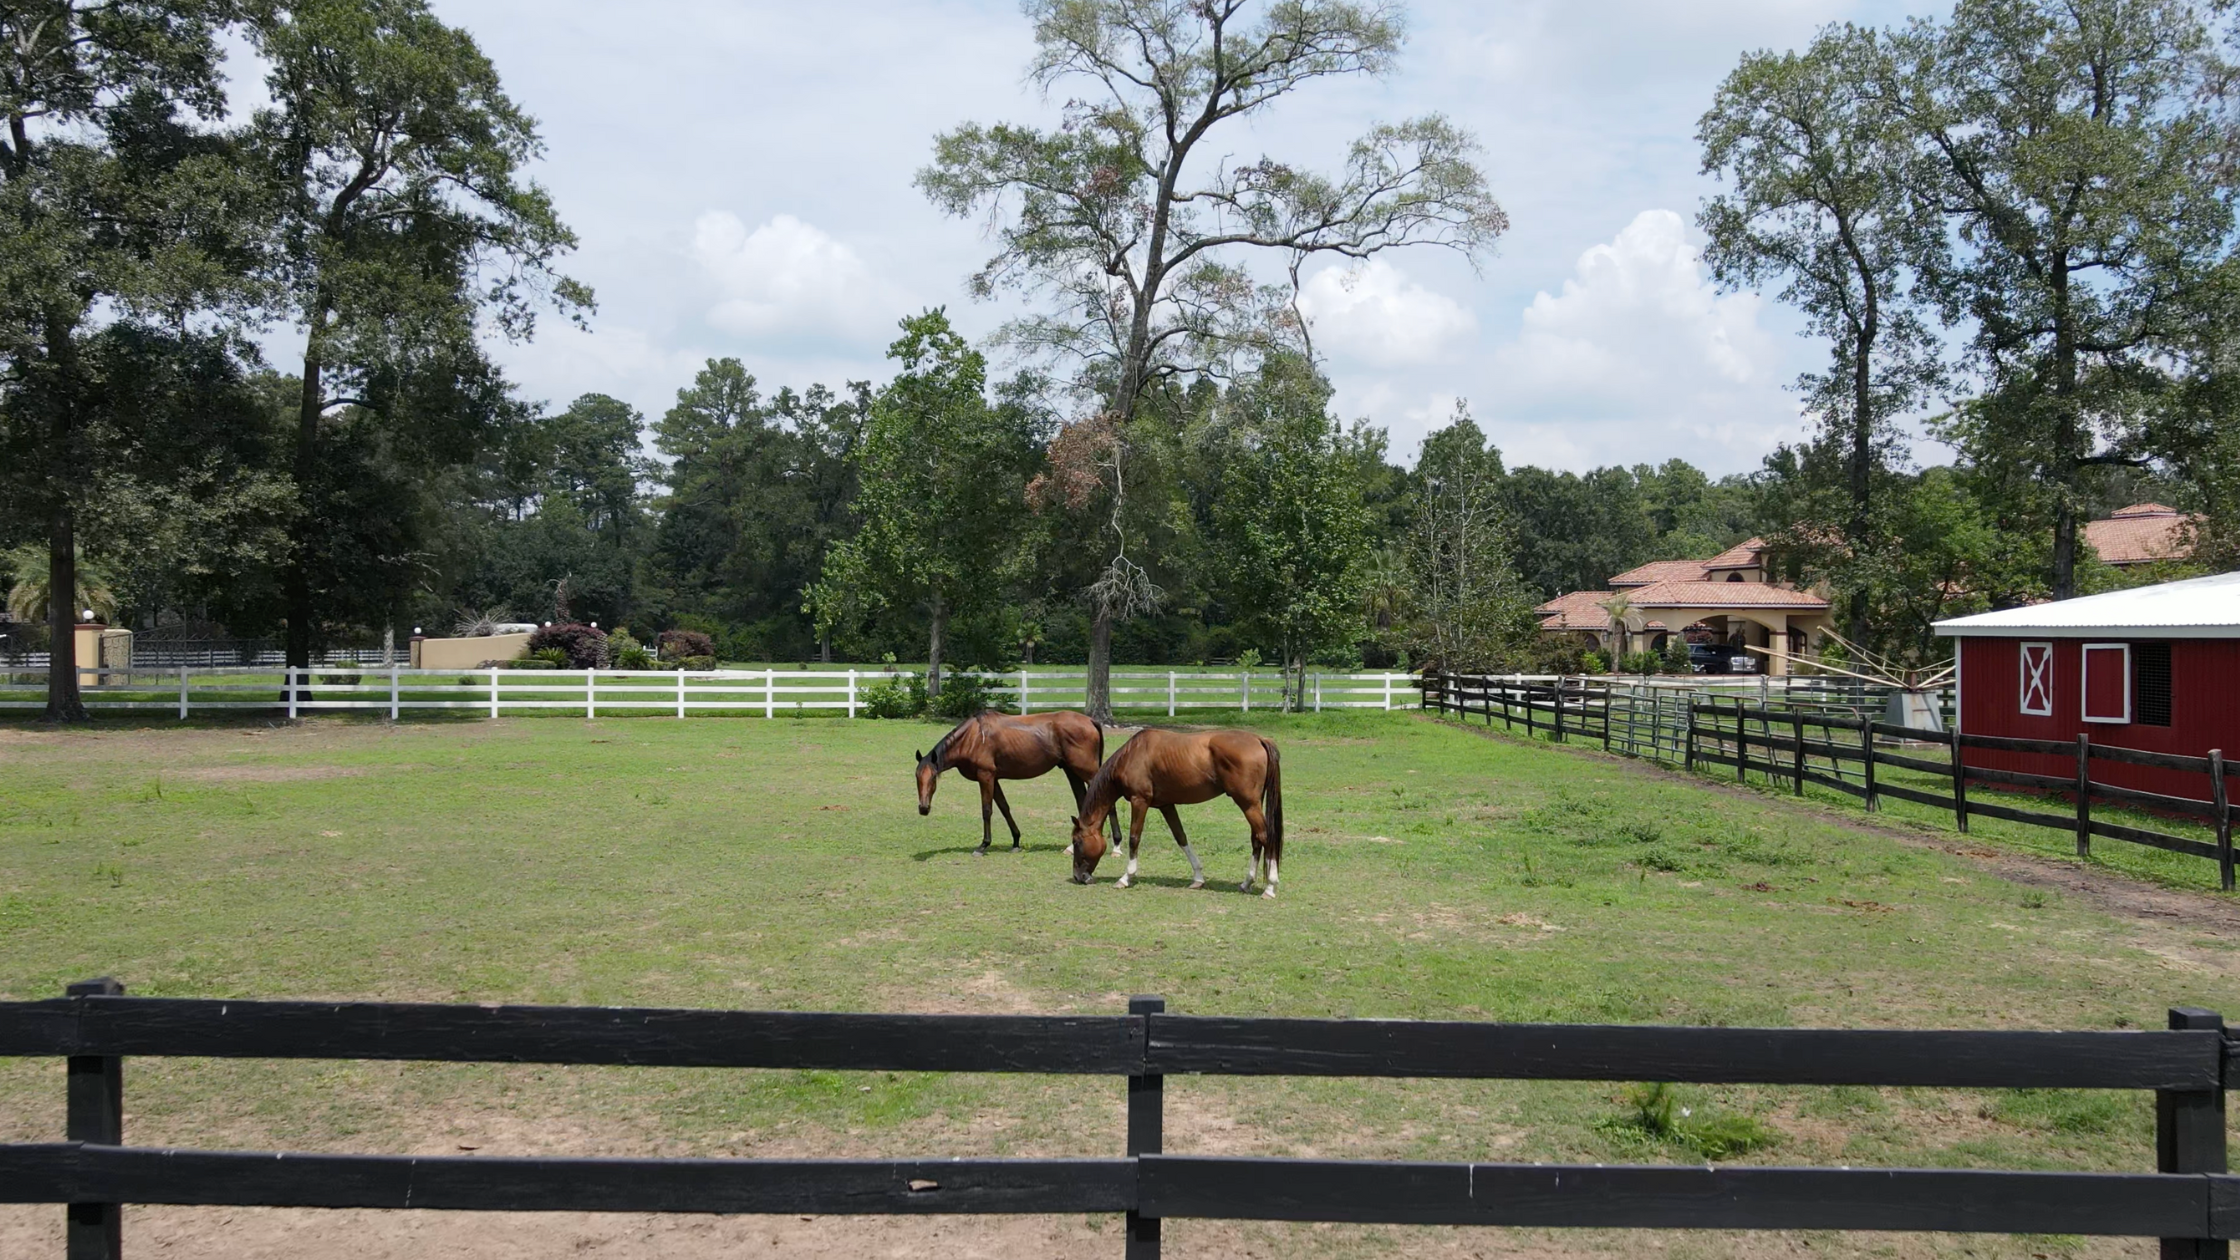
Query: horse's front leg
[1138, 810]
[987, 813]
[1008, 820]
[1080, 784]
[1174, 824]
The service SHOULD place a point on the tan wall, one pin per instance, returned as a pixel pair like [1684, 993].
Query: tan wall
[468, 653]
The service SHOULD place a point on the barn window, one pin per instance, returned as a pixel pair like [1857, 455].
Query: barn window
[2037, 679]
[2150, 684]
[2107, 682]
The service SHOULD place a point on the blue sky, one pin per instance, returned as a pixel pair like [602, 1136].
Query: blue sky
[739, 174]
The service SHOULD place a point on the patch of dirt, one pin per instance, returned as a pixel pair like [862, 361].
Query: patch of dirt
[265, 774]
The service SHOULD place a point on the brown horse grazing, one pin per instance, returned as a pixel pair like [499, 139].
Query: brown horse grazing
[992, 746]
[1163, 769]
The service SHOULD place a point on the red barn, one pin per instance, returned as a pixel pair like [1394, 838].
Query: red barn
[2154, 668]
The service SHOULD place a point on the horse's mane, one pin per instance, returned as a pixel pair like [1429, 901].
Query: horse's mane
[940, 753]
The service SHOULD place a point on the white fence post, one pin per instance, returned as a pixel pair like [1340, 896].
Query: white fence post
[1170, 693]
[851, 693]
[1388, 693]
[182, 693]
[493, 693]
[1244, 688]
[770, 693]
[590, 697]
[392, 693]
[680, 695]
[1023, 691]
[288, 684]
[1318, 693]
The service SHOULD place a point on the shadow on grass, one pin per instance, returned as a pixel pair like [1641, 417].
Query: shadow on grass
[927, 855]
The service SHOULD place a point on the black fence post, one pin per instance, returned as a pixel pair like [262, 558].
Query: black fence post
[2219, 797]
[1866, 753]
[1690, 762]
[1741, 744]
[94, 1093]
[1147, 1093]
[2084, 796]
[2189, 1137]
[1796, 721]
[1959, 784]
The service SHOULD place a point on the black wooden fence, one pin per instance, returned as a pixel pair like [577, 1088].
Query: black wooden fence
[2189, 1202]
[1832, 744]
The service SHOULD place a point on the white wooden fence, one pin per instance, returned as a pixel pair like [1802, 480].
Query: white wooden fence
[763, 692]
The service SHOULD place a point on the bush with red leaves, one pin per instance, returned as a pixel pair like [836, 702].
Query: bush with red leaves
[586, 646]
[676, 645]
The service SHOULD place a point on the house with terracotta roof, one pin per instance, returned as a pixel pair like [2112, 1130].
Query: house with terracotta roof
[2141, 534]
[1725, 599]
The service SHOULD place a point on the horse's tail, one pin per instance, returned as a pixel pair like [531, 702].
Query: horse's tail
[1273, 800]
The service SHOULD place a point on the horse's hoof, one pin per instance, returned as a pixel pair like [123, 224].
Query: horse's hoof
[1270, 894]
[1197, 883]
[1245, 886]
[979, 853]
[1122, 882]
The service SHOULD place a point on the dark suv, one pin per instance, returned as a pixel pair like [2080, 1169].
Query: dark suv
[1718, 658]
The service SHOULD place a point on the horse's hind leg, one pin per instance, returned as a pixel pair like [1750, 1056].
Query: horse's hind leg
[1008, 820]
[1174, 824]
[1260, 850]
[1138, 810]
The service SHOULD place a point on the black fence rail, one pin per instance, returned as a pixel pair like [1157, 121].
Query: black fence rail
[2189, 1201]
[1833, 741]
[1800, 748]
[1564, 708]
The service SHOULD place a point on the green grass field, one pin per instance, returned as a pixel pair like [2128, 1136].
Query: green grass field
[1429, 872]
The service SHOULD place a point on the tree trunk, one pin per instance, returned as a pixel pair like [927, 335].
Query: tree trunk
[64, 704]
[933, 647]
[296, 583]
[1028, 658]
[1100, 667]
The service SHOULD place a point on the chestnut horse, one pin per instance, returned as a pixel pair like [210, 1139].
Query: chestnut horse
[991, 746]
[1162, 769]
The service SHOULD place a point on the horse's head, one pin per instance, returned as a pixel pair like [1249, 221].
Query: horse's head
[929, 774]
[1087, 848]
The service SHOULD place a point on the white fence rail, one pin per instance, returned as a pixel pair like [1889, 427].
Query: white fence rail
[764, 692]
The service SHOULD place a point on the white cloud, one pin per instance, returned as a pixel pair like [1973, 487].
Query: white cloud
[1376, 314]
[1639, 335]
[787, 276]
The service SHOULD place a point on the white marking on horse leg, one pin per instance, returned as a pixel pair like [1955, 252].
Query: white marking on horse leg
[1271, 879]
[1197, 872]
[1251, 871]
[1129, 876]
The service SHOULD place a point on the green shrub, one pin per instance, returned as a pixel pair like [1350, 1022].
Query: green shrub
[697, 663]
[551, 658]
[896, 696]
[1641, 663]
[1592, 662]
[634, 656]
[1676, 656]
[965, 693]
[581, 647]
[1656, 1111]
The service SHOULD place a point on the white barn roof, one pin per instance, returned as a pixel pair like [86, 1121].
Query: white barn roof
[2197, 608]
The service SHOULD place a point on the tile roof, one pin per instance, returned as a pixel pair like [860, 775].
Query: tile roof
[1743, 555]
[1660, 571]
[2138, 534]
[1581, 610]
[1725, 595]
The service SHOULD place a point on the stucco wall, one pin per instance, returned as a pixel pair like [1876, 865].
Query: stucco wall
[468, 653]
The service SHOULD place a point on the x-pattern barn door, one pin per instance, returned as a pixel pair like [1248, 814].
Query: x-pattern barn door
[2037, 679]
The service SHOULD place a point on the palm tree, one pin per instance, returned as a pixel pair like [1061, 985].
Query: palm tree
[28, 597]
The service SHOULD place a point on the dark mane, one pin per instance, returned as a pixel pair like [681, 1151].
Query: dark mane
[940, 752]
